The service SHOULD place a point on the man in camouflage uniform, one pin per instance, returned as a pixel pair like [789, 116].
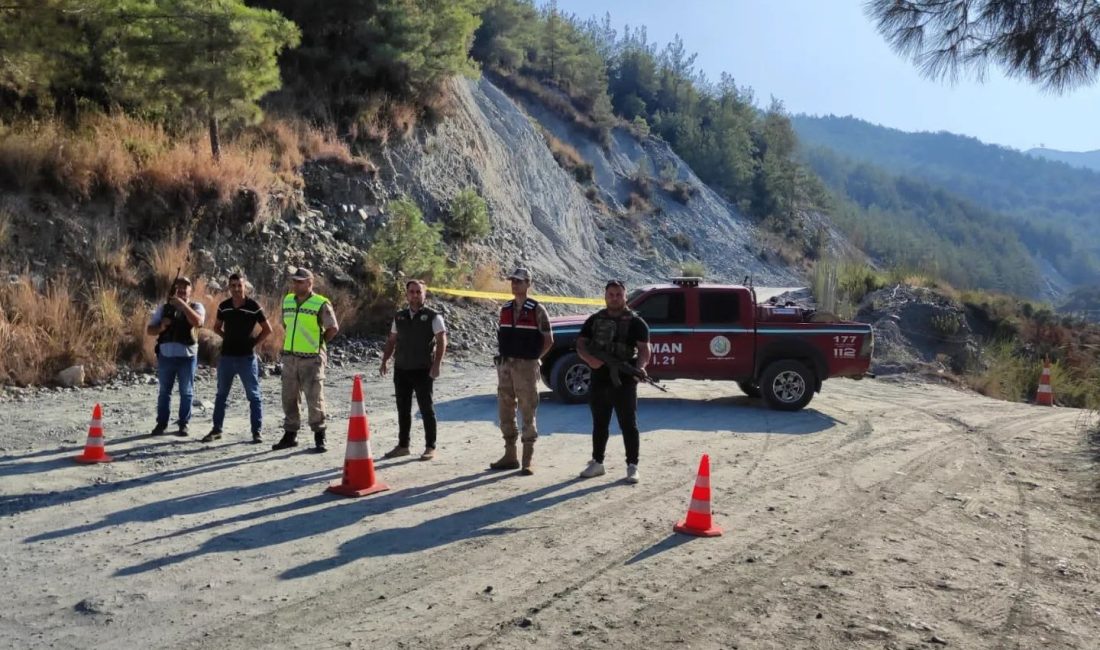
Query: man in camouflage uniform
[610, 337]
[523, 337]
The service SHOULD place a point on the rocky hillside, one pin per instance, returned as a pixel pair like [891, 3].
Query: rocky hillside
[540, 214]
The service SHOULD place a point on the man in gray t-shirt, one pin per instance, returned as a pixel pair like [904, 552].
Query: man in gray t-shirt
[176, 324]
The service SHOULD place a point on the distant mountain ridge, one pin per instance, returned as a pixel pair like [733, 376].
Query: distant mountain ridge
[1053, 207]
[1085, 159]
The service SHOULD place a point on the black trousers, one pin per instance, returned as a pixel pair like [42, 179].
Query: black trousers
[604, 398]
[405, 383]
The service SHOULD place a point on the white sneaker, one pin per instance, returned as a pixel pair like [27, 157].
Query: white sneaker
[593, 469]
[632, 474]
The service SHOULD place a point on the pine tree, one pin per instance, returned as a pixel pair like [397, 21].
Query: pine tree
[201, 61]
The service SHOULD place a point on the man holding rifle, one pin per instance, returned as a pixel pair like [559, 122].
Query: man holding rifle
[175, 325]
[615, 343]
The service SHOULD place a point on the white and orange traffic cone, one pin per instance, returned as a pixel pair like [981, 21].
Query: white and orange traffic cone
[698, 521]
[1045, 395]
[359, 479]
[93, 448]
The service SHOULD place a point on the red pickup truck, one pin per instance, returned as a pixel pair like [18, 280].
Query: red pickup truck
[708, 331]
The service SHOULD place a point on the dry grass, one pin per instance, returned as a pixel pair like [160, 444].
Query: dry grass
[486, 277]
[385, 118]
[117, 156]
[168, 258]
[112, 253]
[554, 99]
[293, 142]
[270, 348]
[43, 333]
[567, 157]
[188, 174]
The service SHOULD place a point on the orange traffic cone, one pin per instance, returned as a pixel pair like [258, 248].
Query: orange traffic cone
[1045, 396]
[698, 520]
[359, 479]
[93, 448]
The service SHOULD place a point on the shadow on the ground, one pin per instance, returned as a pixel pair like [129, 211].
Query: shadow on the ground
[16, 503]
[480, 521]
[340, 512]
[235, 495]
[666, 544]
[739, 414]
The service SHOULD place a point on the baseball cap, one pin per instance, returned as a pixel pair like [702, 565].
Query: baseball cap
[614, 283]
[301, 274]
[182, 280]
[520, 274]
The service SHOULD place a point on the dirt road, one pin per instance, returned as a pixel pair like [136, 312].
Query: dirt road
[887, 515]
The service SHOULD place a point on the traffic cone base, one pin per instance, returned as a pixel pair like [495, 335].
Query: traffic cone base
[359, 479]
[682, 527]
[93, 448]
[350, 491]
[698, 521]
[102, 459]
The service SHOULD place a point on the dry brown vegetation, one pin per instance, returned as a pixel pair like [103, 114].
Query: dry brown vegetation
[118, 156]
[43, 332]
[567, 157]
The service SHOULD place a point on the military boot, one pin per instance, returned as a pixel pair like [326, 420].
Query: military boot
[509, 460]
[288, 440]
[319, 441]
[528, 452]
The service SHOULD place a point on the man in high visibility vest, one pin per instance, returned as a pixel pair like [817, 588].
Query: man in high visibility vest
[310, 323]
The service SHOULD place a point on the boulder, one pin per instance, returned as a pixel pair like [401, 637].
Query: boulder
[71, 376]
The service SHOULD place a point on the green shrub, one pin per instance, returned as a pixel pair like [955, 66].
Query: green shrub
[468, 218]
[693, 269]
[407, 246]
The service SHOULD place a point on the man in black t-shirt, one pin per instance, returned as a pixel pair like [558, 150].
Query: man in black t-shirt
[238, 317]
[617, 334]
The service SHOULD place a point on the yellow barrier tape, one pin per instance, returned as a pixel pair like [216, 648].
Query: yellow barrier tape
[500, 295]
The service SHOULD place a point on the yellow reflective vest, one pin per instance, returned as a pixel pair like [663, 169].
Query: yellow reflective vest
[302, 323]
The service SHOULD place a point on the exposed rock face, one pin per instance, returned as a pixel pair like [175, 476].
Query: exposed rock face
[540, 214]
[916, 327]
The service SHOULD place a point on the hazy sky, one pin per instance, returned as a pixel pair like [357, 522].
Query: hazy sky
[824, 56]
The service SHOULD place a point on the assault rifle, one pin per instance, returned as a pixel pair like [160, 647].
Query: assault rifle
[169, 311]
[618, 366]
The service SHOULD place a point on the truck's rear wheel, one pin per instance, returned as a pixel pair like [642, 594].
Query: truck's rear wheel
[787, 385]
[571, 379]
[750, 388]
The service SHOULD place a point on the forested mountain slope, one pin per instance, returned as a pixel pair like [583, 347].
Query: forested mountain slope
[1054, 208]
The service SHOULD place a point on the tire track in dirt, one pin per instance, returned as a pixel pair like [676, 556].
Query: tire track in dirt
[320, 608]
[835, 525]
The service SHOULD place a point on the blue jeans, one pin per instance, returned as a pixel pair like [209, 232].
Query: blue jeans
[248, 369]
[168, 370]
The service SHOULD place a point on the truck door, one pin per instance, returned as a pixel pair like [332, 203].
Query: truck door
[666, 314]
[724, 334]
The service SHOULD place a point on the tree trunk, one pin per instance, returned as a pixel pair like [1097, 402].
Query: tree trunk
[215, 140]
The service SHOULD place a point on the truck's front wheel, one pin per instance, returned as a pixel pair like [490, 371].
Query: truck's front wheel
[571, 379]
[787, 385]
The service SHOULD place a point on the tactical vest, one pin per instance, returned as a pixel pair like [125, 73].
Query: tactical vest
[180, 331]
[518, 334]
[611, 334]
[303, 324]
[415, 339]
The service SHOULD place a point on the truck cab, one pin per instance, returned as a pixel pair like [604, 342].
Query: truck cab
[709, 331]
